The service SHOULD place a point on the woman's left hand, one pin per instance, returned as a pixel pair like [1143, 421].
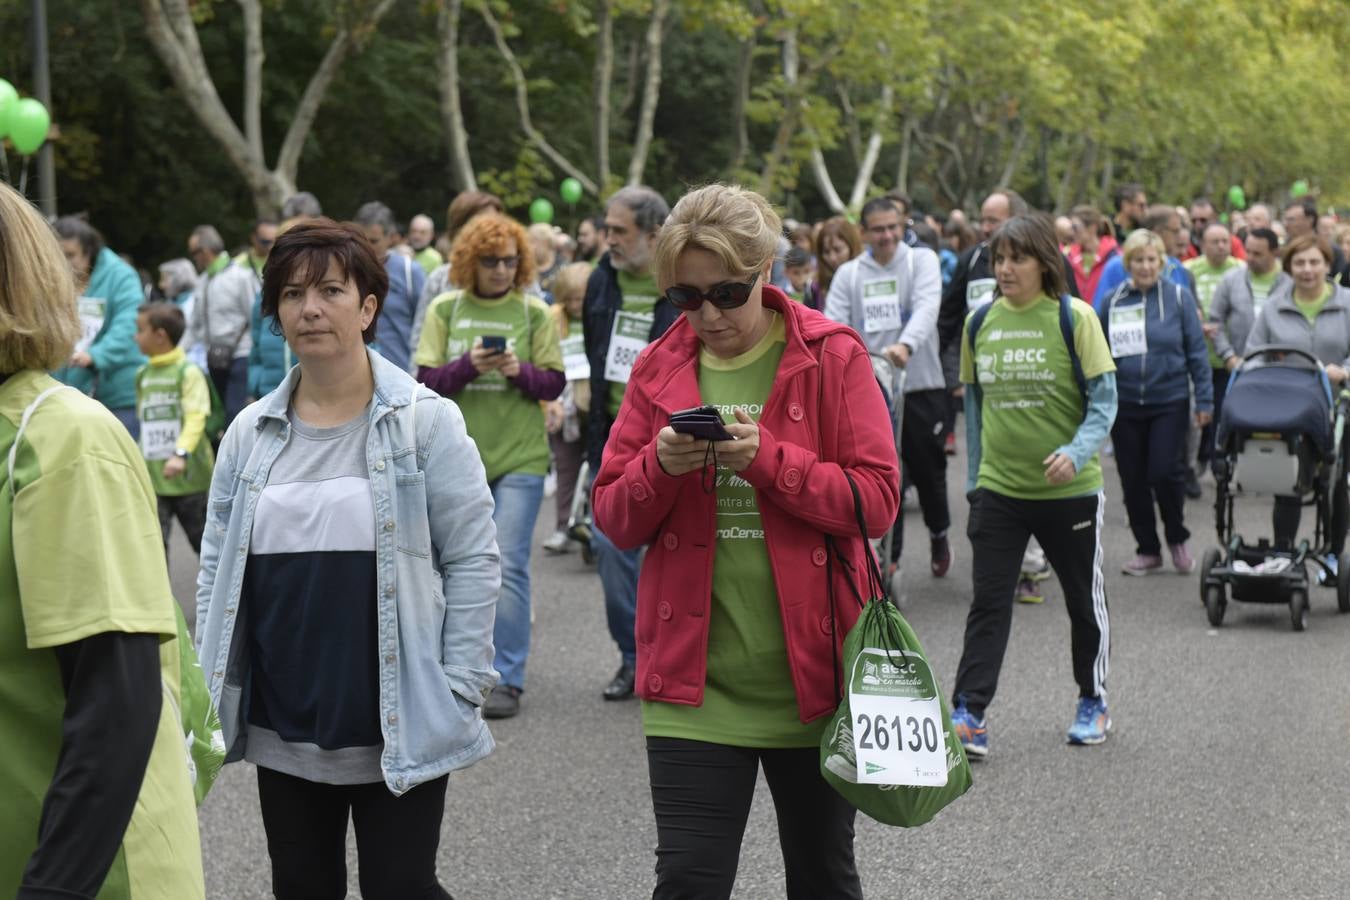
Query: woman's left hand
[509, 364]
[737, 455]
[1059, 469]
[1203, 418]
[1336, 374]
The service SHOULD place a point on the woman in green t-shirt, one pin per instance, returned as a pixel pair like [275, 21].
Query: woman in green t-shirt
[496, 352]
[1040, 399]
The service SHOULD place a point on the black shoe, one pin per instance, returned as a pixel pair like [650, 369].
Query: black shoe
[620, 686]
[502, 703]
[1192, 485]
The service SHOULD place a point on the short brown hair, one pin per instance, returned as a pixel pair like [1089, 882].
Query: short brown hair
[38, 323]
[309, 247]
[165, 317]
[1033, 235]
[487, 235]
[1300, 244]
[467, 205]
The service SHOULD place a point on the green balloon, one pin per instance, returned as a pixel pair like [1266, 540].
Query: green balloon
[8, 97]
[28, 124]
[570, 190]
[1298, 189]
[1237, 197]
[541, 211]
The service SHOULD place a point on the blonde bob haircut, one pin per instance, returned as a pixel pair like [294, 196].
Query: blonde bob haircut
[1139, 240]
[736, 225]
[38, 322]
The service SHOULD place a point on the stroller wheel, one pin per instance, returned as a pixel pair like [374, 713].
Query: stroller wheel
[1208, 561]
[1298, 609]
[1215, 604]
[1343, 583]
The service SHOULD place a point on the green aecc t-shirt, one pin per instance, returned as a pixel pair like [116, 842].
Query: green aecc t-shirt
[748, 697]
[1031, 405]
[507, 426]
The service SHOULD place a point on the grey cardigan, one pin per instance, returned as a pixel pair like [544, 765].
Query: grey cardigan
[1233, 309]
[1282, 324]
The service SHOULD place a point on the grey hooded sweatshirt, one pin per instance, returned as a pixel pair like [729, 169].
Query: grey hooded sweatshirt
[917, 277]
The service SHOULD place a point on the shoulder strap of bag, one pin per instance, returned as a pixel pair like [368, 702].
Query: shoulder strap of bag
[976, 320]
[1066, 329]
[23, 424]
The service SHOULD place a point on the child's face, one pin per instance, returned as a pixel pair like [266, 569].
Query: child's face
[151, 341]
[798, 275]
[573, 302]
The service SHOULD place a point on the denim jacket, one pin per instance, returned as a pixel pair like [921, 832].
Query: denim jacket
[438, 574]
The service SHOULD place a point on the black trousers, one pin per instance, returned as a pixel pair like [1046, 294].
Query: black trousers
[1069, 531]
[924, 461]
[190, 511]
[1207, 433]
[1150, 444]
[396, 838]
[701, 795]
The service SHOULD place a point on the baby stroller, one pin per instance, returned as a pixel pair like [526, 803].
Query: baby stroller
[1278, 435]
[891, 380]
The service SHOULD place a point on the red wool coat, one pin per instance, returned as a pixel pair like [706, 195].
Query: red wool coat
[825, 416]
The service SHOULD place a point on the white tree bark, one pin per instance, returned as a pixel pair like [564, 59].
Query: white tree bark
[452, 113]
[532, 133]
[863, 180]
[173, 34]
[651, 91]
[600, 88]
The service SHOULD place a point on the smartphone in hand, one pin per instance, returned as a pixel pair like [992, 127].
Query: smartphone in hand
[703, 422]
[494, 343]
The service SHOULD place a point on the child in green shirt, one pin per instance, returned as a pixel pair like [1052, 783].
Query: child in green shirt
[173, 401]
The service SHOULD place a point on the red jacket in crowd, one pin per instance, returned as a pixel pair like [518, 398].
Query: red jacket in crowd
[825, 416]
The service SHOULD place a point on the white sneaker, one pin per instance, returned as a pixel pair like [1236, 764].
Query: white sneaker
[558, 542]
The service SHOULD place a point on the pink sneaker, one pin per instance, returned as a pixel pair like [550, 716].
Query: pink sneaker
[1143, 564]
[1182, 559]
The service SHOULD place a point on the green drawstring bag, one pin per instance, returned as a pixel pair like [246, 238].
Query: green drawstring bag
[889, 749]
[202, 737]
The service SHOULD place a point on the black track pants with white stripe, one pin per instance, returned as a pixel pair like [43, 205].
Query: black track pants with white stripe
[1070, 532]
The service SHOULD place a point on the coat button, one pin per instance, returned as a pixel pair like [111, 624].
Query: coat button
[379, 466]
[818, 556]
[663, 610]
[670, 541]
[393, 718]
[792, 478]
[389, 590]
[826, 625]
[654, 683]
[795, 412]
[389, 525]
[389, 658]
[639, 492]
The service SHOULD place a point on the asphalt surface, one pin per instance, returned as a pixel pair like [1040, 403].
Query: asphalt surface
[1224, 776]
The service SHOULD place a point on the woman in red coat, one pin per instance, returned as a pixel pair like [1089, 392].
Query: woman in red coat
[736, 635]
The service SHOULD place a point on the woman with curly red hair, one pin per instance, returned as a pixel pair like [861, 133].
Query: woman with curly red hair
[495, 352]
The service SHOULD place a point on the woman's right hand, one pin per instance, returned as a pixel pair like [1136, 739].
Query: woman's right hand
[484, 360]
[553, 416]
[1336, 374]
[678, 453]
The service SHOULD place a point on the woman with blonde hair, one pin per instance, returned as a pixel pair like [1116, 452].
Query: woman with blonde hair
[1154, 331]
[736, 635]
[98, 799]
[495, 351]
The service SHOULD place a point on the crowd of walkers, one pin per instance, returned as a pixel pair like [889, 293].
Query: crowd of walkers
[357, 424]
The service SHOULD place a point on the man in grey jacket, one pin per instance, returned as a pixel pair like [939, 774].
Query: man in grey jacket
[1237, 300]
[222, 310]
[890, 295]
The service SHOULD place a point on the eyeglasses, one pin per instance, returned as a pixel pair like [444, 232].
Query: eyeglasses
[492, 262]
[727, 295]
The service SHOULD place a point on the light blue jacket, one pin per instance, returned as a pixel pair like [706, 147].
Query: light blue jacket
[437, 565]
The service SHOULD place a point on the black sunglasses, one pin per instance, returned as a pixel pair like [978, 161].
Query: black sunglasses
[727, 295]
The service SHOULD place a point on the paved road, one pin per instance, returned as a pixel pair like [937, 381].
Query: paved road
[1225, 775]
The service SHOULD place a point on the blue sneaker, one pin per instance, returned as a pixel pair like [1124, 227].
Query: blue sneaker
[1091, 723]
[970, 731]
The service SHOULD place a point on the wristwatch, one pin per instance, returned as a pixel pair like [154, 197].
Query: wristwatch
[181, 453]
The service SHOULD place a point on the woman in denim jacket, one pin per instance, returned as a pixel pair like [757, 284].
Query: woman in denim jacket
[346, 598]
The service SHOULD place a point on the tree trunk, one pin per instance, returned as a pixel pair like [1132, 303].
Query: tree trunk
[600, 88]
[868, 165]
[452, 113]
[534, 135]
[902, 170]
[173, 34]
[253, 65]
[651, 92]
[782, 139]
[744, 69]
[823, 181]
[1014, 156]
